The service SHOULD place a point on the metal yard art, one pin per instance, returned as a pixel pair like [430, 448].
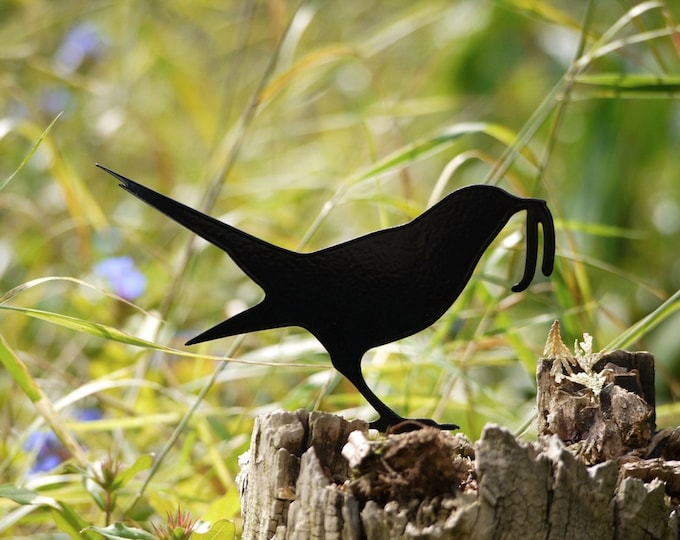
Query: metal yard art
[373, 289]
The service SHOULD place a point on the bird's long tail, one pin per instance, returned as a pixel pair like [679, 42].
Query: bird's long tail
[253, 255]
[538, 212]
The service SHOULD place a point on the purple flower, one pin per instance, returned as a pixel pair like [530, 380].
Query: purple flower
[82, 42]
[124, 277]
[48, 449]
[89, 414]
[55, 99]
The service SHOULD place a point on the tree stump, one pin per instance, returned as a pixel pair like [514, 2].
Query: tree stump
[289, 477]
[598, 470]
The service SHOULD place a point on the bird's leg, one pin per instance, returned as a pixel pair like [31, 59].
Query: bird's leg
[350, 367]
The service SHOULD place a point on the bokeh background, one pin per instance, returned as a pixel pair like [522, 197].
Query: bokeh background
[308, 124]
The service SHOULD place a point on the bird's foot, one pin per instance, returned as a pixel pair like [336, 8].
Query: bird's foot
[397, 424]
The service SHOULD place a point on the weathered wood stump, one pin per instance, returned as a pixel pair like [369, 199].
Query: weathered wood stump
[602, 403]
[597, 470]
[290, 476]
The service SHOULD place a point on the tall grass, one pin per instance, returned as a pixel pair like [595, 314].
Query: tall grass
[306, 124]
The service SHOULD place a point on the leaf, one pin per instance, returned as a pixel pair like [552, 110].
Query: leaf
[99, 496]
[229, 505]
[71, 523]
[143, 462]
[222, 529]
[25, 496]
[118, 531]
[63, 515]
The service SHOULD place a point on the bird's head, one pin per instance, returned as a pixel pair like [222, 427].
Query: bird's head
[475, 215]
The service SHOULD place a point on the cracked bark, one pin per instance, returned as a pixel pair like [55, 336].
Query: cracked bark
[429, 484]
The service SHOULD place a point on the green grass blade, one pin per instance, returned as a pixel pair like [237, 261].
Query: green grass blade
[411, 153]
[599, 229]
[637, 82]
[646, 324]
[12, 293]
[81, 325]
[113, 334]
[30, 153]
[424, 148]
[19, 372]
[30, 387]
[617, 85]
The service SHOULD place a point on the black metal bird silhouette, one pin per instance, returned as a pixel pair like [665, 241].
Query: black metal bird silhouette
[371, 290]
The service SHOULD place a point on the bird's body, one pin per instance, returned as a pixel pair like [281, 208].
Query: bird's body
[371, 290]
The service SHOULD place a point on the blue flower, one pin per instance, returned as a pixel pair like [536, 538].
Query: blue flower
[48, 448]
[55, 99]
[82, 42]
[123, 276]
[89, 414]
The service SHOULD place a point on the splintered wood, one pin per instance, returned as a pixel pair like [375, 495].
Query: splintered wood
[599, 468]
[600, 402]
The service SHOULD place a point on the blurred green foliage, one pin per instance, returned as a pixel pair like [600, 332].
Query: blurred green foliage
[306, 124]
